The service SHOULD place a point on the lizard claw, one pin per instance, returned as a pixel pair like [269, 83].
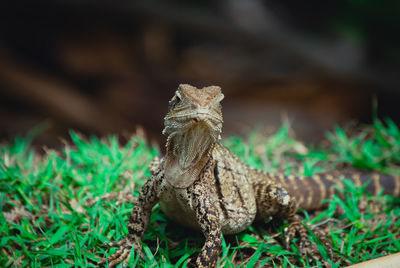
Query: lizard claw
[122, 254]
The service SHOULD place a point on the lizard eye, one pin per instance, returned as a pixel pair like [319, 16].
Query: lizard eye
[178, 97]
[174, 101]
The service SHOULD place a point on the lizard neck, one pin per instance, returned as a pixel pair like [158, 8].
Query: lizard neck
[187, 154]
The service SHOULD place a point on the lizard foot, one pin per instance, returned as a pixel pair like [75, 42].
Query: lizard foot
[297, 229]
[123, 253]
[306, 246]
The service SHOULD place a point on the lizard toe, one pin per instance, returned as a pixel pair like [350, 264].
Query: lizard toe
[306, 246]
[115, 244]
[127, 258]
[123, 252]
[119, 256]
[297, 229]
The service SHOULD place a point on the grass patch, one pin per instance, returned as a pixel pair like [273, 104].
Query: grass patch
[59, 207]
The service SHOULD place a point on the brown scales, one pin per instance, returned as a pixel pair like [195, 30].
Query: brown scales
[203, 185]
[309, 192]
[201, 97]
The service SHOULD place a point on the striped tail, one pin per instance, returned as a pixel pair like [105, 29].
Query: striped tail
[309, 192]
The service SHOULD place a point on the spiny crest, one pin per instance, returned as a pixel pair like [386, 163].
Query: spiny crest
[202, 97]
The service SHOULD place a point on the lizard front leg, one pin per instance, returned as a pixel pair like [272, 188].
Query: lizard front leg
[137, 224]
[207, 216]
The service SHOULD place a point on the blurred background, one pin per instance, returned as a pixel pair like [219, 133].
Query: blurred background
[105, 67]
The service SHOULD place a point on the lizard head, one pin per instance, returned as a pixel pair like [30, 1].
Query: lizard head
[192, 107]
[193, 123]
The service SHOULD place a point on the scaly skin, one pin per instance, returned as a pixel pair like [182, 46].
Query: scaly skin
[203, 185]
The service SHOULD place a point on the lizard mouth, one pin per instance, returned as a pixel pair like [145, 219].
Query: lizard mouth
[197, 117]
[204, 122]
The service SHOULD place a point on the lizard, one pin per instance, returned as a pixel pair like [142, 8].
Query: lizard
[200, 183]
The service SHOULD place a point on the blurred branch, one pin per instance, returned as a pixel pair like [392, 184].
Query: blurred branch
[55, 97]
[243, 23]
[331, 57]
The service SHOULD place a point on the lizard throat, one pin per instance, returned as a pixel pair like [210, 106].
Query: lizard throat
[189, 147]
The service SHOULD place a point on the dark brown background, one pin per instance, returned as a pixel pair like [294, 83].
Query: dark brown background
[105, 67]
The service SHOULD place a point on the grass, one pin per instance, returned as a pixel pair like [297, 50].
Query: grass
[59, 207]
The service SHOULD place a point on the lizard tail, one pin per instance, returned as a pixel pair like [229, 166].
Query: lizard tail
[309, 192]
